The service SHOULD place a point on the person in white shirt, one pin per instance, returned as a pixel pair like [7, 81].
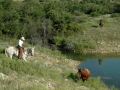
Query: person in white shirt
[20, 47]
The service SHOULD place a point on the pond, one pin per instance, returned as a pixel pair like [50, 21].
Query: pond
[107, 69]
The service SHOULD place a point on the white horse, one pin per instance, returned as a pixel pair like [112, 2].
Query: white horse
[11, 50]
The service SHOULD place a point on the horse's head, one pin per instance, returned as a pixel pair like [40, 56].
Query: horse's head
[24, 56]
[31, 51]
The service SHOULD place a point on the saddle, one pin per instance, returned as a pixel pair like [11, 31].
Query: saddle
[18, 48]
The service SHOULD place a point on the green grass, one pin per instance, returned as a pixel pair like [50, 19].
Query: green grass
[105, 38]
[46, 70]
[52, 69]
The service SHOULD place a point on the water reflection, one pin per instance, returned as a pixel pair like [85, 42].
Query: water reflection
[106, 69]
[100, 61]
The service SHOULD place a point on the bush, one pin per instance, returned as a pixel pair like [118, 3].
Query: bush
[115, 15]
[57, 40]
[77, 46]
[95, 14]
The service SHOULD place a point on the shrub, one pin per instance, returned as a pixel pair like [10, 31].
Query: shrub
[77, 46]
[115, 15]
[94, 14]
[57, 40]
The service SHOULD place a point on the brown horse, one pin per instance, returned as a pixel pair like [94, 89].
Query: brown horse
[101, 23]
[85, 73]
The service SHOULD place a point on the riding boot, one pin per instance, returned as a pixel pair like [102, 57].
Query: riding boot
[20, 53]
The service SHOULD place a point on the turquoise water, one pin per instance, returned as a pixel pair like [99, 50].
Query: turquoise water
[107, 69]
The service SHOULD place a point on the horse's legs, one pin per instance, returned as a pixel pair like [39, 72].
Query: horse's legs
[24, 55]
[10, 56]
[24, 58]
[6, 54]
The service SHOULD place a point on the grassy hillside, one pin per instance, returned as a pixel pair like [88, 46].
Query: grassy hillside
[50, 69]
[100, 40]
[47, 70]
[74, 27]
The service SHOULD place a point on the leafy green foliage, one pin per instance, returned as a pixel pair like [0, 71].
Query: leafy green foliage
[41, 20]
[115, 15]
[57, 40]
[77, 46]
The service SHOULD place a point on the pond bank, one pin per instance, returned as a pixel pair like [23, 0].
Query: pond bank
[102, 50]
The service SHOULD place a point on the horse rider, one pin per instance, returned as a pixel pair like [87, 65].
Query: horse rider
[20, 47]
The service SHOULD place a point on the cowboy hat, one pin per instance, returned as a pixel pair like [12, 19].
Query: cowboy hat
[22, 38]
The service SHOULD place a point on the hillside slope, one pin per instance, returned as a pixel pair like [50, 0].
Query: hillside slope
[102, 40]
[47, 70]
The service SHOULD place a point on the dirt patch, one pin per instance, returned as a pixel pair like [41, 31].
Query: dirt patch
[73, 65]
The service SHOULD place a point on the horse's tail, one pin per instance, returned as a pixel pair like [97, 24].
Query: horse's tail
[6, 52]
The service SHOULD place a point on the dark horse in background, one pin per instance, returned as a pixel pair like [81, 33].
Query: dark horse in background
[101, 23]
